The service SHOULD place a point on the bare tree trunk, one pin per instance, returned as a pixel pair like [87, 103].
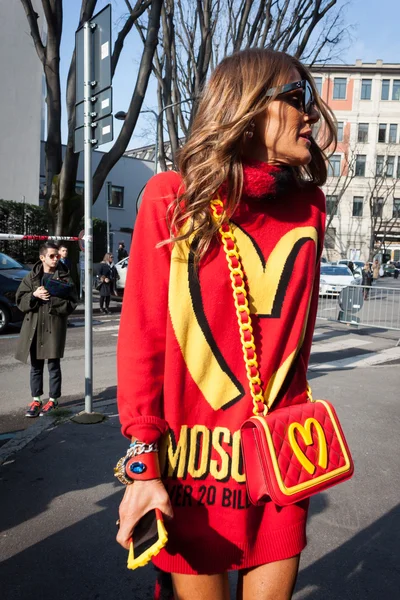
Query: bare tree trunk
[65, 207]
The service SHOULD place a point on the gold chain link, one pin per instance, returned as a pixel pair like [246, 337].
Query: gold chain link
[245, 326]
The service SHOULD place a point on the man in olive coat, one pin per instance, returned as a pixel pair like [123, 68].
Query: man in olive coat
[44, 328]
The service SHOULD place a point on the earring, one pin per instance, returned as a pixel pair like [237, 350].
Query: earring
[249, 132]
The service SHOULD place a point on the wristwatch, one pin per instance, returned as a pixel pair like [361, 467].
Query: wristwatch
[140, 463]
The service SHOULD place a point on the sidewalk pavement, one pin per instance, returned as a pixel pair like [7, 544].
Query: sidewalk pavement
[59, 507]
[60, 502]
[115, 305]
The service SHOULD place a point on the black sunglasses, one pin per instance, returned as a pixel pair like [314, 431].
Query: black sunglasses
[308, 99]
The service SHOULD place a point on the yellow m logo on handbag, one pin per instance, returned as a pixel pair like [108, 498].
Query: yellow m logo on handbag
[268, 283]
[306, 434]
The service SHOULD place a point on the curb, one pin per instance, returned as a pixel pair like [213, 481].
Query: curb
[23, 438]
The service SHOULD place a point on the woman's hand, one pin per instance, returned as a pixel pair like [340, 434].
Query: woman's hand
[140, 497]
[106, 280]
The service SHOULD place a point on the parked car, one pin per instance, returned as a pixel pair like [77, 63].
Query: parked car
[122, 269]
[11, 275]
[334, 278]
[390, 270]
[356, 263]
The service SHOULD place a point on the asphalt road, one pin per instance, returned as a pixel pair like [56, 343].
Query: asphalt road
[60, 502]
[14, 376]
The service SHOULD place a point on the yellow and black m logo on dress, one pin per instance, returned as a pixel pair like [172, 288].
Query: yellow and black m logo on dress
[268, 282]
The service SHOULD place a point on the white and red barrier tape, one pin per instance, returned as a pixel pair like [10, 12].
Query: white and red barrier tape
[39, 238]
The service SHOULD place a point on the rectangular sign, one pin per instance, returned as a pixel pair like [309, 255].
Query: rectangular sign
[79, 139]
[100, 68]
[102, 133]
[102, 106]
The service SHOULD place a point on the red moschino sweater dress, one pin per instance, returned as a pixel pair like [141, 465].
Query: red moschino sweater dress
[181, 374]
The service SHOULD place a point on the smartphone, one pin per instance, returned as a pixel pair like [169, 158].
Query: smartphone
[149, 537]
[145, 533]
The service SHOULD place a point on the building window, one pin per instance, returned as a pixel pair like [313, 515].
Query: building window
[366, 85]
[358, 202]
[340, 129]
[382, 133]
[79, 188]
[393, 134]
[363, 132]
[360, 165]
[339, 88]
[377, 207]
[117, 197]
[331, 205]
[396, 89]
[334, 165]
[385, 89]
[318, 84]
[330, 238]
[398, 168]
[380, 161]
[396, 208]
[390, 166]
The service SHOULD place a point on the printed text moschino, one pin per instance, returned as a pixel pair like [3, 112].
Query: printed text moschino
[200, 452]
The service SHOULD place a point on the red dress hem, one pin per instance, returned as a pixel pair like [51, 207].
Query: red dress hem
[278, 545]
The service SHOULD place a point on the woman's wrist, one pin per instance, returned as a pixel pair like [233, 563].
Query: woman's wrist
[142, 448]
[139, 464]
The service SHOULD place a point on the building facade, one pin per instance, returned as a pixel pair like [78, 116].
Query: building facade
[22, 126]
[122, 191]
[22, 103]
[363, 188]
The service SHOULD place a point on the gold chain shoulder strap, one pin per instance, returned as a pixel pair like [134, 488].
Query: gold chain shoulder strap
[242, 308]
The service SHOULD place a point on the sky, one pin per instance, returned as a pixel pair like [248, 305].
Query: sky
[372, 24]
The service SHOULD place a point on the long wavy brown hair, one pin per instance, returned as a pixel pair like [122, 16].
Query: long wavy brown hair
[213, 153]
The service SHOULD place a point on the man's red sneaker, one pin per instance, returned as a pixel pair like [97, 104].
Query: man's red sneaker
[48, 407]
[34, 409]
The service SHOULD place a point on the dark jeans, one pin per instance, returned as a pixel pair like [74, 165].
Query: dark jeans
[105, 299]
[37, 366]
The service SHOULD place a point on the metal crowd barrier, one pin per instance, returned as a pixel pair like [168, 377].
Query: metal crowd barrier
[370, 306]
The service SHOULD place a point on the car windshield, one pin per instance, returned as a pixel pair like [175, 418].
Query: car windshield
[6, 262]
[333, 270]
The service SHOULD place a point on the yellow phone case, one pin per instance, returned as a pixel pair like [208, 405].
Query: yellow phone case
[145, 557]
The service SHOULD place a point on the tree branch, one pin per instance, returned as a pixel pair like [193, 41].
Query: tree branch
[110, 158]
[246, 7]
[134, 15]
[33, 17]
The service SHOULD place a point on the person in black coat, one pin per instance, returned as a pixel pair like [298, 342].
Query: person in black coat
[105, 276]
[64, 260]
[44, 328]
[367, 279]
[122, 253]
[114, 276]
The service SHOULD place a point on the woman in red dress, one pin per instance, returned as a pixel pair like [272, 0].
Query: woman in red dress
[182, 386]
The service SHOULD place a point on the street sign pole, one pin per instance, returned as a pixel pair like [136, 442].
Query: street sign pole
[108, 198]
[88, 220]
[93, 127]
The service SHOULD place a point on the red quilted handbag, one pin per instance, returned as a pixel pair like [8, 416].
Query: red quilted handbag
[289, 453]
